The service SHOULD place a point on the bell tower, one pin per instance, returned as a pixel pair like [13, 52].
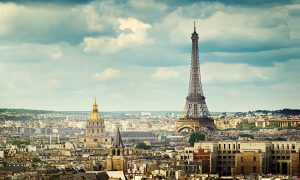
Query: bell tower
[116, 160]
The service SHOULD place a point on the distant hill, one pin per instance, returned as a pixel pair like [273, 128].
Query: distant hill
[286, 112]
[24, 111]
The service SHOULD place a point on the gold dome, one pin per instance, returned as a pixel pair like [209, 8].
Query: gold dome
[95, 115]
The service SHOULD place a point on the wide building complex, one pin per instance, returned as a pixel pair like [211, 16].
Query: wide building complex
[248, 157]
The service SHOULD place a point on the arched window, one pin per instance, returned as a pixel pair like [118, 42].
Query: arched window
[113, 152]
[118, 152]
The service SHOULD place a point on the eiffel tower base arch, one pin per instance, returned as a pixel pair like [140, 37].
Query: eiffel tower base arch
[195, 124]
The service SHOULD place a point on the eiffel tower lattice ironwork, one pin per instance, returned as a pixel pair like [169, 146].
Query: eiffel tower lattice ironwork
[195, 114]
[195, 106]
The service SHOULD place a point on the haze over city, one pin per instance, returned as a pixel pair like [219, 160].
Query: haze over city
[135, 55]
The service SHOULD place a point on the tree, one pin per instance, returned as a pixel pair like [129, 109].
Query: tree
[247, 136]
[36, 159]
[20, 142]
[247, 126]
[142, 145]
[195, 137]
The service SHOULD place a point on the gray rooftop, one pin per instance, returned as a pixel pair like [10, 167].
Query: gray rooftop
[117, 139]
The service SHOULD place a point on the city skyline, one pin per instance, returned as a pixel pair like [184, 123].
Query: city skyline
[60, 55]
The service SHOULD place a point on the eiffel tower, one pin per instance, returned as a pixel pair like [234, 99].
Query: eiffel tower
[195, 115]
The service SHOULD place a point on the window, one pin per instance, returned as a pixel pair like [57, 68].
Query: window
[97, 130]
[228, 146]
[239, 146]
[242, 159]
[254, 169]
[254, 159]
[242, 170]
[288, 146]
[93, 131]
[233, 146]
[219, 146]
[95, 140]
[224, 146]
[273, 157]
[293, 146]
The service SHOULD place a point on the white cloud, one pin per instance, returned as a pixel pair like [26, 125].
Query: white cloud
[106, 74]
[97, 21]
[230, 24]
[93, 21]
[165, 74]
[235, 73]
[133, 32]
[55, 53]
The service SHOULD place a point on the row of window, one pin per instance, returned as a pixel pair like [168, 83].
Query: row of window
[95, 140]
[228, 152]
[226, 157]
[229, 146]
[95, 123]
[280, 157]
[233, 146]
[282, 146]
[93, 131]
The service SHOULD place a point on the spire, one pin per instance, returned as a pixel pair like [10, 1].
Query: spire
[194, 26]
[117, 139]
[95, 106]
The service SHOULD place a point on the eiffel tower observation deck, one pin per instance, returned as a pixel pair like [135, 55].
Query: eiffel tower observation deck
[195, 115]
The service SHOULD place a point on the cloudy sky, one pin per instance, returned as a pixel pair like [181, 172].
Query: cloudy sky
[135, 55]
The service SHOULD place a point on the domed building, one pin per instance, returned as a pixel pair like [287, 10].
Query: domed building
[95, 130]
[95, 123]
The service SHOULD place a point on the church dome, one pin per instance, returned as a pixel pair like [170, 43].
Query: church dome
[95, 115]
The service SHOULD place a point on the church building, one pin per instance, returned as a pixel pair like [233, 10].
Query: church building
[95, 130]
[116, 160]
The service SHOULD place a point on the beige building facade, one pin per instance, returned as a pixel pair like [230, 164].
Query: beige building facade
[229, 158]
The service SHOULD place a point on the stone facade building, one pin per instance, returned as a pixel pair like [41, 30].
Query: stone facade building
[116, 160]
[95, 130]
